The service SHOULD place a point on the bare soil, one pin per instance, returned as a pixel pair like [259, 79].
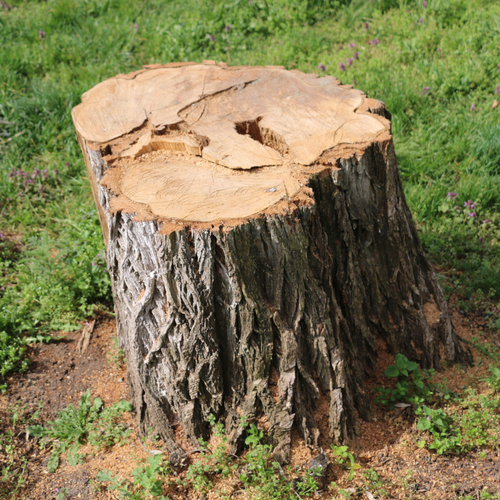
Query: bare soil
[57, 376]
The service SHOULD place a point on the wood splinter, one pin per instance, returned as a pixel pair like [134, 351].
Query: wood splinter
[85, 336]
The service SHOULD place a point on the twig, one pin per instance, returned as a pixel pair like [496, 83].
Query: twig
[140, 442]
[191, 452]
[152, 452]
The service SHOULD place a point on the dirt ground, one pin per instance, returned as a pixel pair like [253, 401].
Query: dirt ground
[57, 376]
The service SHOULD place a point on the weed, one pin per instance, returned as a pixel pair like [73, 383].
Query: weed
[375, 484]
[62, 494]
[13, 460]
[308, 485]
[346, 459]
[90, 422]
[474, 424]
[493, 381]
[147, 480]
[116, 356]
[440, 425]
[217, 462]
[410, 385]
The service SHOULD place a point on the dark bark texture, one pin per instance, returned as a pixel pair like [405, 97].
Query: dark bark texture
[275, 318]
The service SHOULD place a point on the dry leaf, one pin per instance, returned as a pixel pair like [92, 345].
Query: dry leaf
[495, 104]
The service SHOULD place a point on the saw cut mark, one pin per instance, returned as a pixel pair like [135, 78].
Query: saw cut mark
[188, 192]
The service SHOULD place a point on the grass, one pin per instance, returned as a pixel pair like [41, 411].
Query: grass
[90, 422]
[437, 68]
[13, 461]
[429, 65]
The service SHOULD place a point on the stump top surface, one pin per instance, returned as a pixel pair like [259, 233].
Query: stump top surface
[237, 118]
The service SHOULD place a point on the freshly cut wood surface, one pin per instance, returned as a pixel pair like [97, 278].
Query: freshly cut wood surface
[307, 114]
[188, 192]
[241, 118]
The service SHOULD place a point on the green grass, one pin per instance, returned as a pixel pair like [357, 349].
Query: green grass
[430, 66]
[90, 422]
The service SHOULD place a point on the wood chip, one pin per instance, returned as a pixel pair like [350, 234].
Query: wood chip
[84, 340]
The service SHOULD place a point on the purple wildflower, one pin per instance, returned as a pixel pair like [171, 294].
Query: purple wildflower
[136, 26]
[481, 240]
[374, 42]
[35, 173]
[44, 173]
[354, 82]
[341, 66]
[452, 195]
[498, 67]
[67, 164]
[468, 204]
[321, 67]
[472, 214]
[424, 4]
[356, 55]
[352, 45]
[12, 173]
[497, 89]
[41, 189]
[41, 34]
[439, 50]
[367, 27]
[228, 28]
[428, 417]
[349, 61]
[473, 107]
[421, 20]
[211, 38]
[2, 236]
[425, 90]
[486, 221]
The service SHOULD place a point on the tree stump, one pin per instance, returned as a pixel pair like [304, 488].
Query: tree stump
[258, 242]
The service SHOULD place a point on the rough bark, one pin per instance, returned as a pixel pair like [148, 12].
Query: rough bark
[275, 317]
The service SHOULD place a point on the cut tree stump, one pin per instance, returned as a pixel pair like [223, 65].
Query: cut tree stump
[258, 243]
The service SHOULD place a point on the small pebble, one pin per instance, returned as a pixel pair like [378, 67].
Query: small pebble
[273, 189]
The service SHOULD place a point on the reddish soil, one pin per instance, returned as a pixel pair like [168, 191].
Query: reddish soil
[58, 377]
